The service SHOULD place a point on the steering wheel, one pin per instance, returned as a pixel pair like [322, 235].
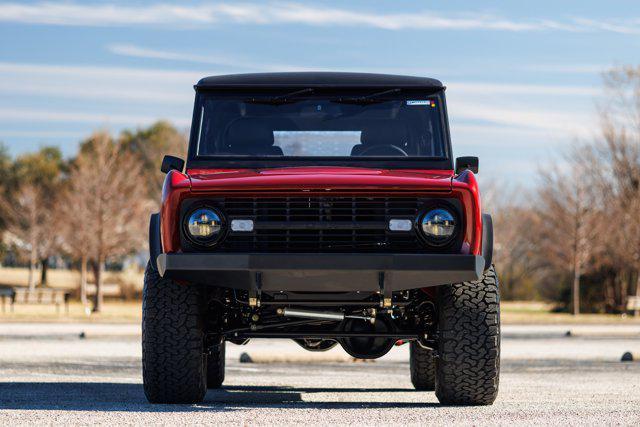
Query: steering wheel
[383, 150]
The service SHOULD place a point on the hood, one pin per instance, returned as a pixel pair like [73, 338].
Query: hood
[320, 179]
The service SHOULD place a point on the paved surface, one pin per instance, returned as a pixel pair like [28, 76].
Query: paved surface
[50, 375]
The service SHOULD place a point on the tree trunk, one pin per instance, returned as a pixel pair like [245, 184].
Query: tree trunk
[575, 288]
[33, 259]
[576, 291]
[619, 279]
[83, 280]
[99, 275]
[636, 312]
[44, 263]
[609, 297]
[624, 292]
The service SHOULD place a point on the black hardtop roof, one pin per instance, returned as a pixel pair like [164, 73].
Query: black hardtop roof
[318, 79]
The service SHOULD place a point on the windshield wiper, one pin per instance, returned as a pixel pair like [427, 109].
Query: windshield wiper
[367, 99]
[280, 99]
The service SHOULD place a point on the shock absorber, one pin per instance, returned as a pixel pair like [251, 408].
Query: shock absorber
[327, 315]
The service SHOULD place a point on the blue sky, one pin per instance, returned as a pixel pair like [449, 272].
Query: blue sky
[523, 78]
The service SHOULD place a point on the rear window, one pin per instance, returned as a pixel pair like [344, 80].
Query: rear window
[310, 126]
[316, 143]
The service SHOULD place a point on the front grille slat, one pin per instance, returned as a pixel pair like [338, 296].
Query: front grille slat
[322, 224]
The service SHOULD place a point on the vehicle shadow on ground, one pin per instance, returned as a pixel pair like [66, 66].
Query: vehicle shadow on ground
[79, 396]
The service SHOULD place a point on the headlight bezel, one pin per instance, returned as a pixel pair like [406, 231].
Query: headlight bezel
[205, 242]
[433, 241]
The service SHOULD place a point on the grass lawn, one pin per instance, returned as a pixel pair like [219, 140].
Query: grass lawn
[532, 312]
[512, 312]
[113, 312]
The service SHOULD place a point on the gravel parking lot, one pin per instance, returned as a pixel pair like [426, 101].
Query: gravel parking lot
[48, 374]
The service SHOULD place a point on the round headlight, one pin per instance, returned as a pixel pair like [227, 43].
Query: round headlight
[204, 225]
[438, 225]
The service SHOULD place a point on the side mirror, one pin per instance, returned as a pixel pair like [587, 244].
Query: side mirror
[171, 162]
[464, 163]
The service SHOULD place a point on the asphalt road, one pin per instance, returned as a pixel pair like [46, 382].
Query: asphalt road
[48, 375]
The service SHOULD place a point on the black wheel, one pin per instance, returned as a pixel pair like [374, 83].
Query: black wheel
[215, 366]
[173, 359]
[423, 367]
[468, 363]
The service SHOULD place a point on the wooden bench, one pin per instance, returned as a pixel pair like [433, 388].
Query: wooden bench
[109, 290]
[6, 294]
[42, 296]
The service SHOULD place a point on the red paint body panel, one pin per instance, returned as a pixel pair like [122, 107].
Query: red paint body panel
[319, 181]
[320, 178]
[176, 188]
[466, 187]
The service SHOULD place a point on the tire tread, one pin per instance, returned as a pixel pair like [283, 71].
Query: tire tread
[423, 367]
[468, 363]
[173, 363]
[216, 365]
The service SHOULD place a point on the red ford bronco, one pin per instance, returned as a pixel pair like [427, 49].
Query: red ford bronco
[324, 208]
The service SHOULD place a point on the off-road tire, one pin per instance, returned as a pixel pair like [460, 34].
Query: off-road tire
[423, 367]
[215, 366]
[173, 359]
[468, 362]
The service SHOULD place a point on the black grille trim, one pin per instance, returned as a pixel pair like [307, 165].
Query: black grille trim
[322, 224]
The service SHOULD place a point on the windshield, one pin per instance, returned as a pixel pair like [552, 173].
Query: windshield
[303, 124]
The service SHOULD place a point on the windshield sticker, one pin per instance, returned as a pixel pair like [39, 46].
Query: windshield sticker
[422, 102]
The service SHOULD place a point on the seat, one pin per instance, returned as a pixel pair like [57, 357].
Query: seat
[381, 133]
[251, 138]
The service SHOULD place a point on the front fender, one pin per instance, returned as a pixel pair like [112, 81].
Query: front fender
[487, 240]
[155, 242]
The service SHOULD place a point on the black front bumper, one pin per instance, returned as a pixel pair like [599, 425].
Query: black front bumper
[320, 272]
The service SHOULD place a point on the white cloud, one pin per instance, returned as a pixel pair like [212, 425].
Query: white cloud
[202, 15]
[491, 136]
[40, 134]
[98, 83]
[470, 88]
[107, 91]
[105, 72]
[527, 112]
[96, 96]
[102, 119]
[628, 26]
[160, 85]
[561, 122]
[497, 112]
[219, 60]
[92, 14]
[302, 14]
[567, 68]
[477, 88]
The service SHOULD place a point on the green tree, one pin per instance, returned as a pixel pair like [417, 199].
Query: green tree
[5, 162]
[149, 146]
[43, 169]
[6, 169]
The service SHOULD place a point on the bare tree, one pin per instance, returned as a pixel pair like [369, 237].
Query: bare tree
[566, 210]
[513, 248]
[620, 127]
[30, 219]
[73, 213]
[27, 208]
[22, 221]
[111, 204]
